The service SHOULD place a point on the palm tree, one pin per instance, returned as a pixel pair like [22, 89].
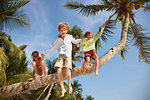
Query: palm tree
[122, 9]
[15, 63]
[77, 90]
[11, 17]
[89, 98]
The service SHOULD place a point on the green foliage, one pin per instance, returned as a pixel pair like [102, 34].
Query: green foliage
[13, 62]
[141, 40]
[84, 9]
[89, 98]
[11, 17]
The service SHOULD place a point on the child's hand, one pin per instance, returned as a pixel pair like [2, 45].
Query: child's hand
[30, 79]
[84, 39]
[104, 25]
[42, 55]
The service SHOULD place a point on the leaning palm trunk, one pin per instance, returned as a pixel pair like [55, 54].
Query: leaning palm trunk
[52, 78]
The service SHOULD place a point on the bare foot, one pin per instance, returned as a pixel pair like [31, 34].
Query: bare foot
[62, 93]
[37, 76]
[43, 75]
[70, 89]
[96, 73]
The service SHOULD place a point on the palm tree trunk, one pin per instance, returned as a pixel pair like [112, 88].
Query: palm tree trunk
[21, 87]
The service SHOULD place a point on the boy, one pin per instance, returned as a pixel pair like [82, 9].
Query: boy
[64, 43]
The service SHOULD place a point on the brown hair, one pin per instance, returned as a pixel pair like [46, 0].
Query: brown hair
[63, 25]
[34, 54]
[86, 33]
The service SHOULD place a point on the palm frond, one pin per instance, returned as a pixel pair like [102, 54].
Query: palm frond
[141, 40]
[110, 5]
[3, 66]
[3, 79]
[22, 47]
[18, 78]
[85, 9]
[12, 16]
[7, 36]
[15, 55]
[3, 59]
[123, 52]
[17, 21]
[50, 65]
[147, 7]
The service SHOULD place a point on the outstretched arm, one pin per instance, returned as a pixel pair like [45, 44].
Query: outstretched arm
[75, 41]
[83, 41]
[100, 33]
[55, 45]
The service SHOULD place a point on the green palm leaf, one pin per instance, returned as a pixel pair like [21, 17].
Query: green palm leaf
[18, 78]
[141, 40]
[12, 47]
[3, 66]
[11, 16]
[88, 97]
[85, 9]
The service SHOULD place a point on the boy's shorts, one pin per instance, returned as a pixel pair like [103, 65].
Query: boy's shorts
[63, 61]
[89, 54]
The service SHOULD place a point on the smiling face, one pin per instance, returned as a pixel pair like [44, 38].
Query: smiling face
[89, 35]
[63, 31]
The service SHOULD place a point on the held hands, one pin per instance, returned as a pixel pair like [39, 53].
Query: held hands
[104, 25]
[84, 39]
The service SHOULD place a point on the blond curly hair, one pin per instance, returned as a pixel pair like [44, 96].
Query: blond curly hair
[63, 25]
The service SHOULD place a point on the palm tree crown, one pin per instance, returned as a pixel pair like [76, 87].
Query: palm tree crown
[120, 8]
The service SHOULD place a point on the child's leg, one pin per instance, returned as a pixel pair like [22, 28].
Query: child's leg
[95, 56]
[36, 68]
[87, 60]
[60, 77]
[43, 67]
[68, 73]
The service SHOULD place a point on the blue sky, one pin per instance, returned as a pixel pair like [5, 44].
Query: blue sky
[118, 79]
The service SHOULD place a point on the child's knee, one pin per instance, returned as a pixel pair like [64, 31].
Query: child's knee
[67, 69]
